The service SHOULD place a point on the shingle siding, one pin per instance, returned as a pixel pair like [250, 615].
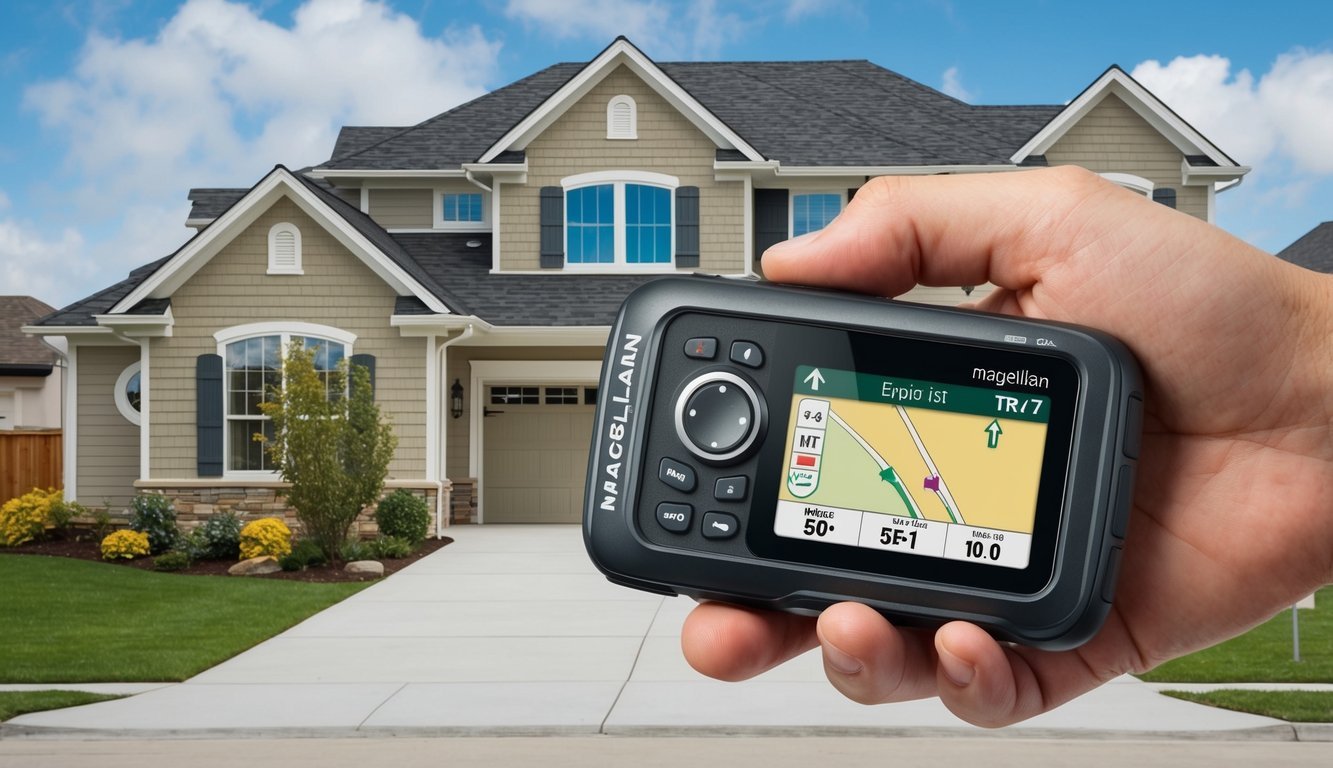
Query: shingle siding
[402, 208]
[1112, 138]
[233, 289]
[107, 453]
[667, 143]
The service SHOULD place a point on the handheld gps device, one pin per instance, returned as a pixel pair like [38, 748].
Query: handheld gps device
[791, 448]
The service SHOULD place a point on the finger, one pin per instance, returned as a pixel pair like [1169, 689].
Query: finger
[732, 643]
[991, 685]
[871, 661]
[942, 230]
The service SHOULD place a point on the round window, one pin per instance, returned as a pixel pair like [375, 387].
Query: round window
[128, 393]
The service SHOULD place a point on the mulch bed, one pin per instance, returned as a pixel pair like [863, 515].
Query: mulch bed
[88, 549]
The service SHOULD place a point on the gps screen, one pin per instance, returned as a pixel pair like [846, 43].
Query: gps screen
[915, 467]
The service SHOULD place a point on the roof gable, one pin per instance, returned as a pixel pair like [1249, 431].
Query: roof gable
[620, 53]
[1157, 114]
[316, 203]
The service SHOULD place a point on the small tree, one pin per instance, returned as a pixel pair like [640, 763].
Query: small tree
[333, 450]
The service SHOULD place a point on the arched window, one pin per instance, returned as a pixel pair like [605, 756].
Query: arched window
[284, 249]
[622, 118]
[127, 393]
[619, 218]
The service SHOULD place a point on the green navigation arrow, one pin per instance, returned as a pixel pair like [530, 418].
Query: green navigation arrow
[993, 433]
[889, 476]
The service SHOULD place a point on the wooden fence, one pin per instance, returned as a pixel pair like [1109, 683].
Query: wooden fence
[29, 460]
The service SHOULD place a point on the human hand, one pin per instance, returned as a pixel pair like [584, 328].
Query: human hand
[1231, 518]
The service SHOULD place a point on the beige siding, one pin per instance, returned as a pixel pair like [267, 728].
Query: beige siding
[457, 444]
[108, 444]
[337, 289]
[350, 194]
[402, 208]
[667, 143]
[1112, 138]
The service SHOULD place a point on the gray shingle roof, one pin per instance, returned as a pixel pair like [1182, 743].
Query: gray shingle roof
[552, 299]
[833, 113]
[82, 311]
[21, 354]
[211, 202]
[1314, 249]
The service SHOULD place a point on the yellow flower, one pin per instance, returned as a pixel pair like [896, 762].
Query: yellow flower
[127, 544]
[266, 536]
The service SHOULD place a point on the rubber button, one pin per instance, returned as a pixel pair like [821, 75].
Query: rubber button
[747, 353]
[676, 474]
[674, 517]
[1112, 572]
[718, 417]
[702, 348]
[1133, 428]
[720, 525]
[1124, 492]
[731, 488]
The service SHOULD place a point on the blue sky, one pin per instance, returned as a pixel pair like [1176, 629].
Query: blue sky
[113, 109]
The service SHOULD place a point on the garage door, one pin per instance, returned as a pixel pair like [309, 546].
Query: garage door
[535, 452]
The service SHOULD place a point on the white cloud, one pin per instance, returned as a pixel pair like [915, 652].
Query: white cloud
[952, 84]
[1285, 114]
[216, 98]
[664, 30]
[33, 264]
[4, 201]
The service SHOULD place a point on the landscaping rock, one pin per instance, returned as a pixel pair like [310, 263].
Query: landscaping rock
[365, 568]
[255, 566]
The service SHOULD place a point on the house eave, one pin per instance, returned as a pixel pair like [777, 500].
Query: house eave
[375, 173]
[1208, 174]
[138, 326]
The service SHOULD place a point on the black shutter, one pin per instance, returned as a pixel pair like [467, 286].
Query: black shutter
[208, 421]
[770, 219]
[687, 227]
[552, 228]
[367, 362]
[1165, 195]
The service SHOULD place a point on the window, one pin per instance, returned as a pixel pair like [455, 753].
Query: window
[622, 120]
[813, 212]
[562, 395]
[284, 249]
[515, 396]
[464, 206]
[1164, 195]
[620, 218]
[127, 393]
[252, 367]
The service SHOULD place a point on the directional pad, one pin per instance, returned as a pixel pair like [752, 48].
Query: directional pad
[717, 417]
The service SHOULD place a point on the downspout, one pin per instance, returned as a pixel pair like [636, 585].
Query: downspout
[441, 364]
[468, 175]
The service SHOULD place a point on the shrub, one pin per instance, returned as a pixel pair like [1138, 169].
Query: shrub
[391, 547]
[62, 512]
[333, 451]
[154, 515]
[175, 560]
[355, 550]
[266, 536]
[403, 515]
[219, 538]
[305, 553]
[125, 544]
[102, 524]
[24, 518]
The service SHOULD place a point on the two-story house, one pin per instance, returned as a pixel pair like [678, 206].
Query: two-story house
[475, 261]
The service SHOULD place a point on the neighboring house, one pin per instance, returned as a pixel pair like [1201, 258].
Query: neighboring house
[30, 382]
[475, 261]
[1313, 250]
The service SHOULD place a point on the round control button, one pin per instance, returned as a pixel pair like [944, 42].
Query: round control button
[717, 416]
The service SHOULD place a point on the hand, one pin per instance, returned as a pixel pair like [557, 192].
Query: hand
[1231, 518]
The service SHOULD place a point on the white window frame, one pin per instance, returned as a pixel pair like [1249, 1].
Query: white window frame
[122, 399]
[616, 101]
[285, 332]
[618, 180]
[795, 193]
[273, 232]
[461, 226]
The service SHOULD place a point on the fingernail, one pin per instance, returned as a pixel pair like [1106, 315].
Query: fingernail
[840, 660]
[959, 672]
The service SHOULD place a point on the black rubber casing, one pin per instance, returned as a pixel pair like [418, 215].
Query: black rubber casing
[631, 550]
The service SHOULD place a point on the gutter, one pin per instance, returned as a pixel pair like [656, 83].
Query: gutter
[442, 367]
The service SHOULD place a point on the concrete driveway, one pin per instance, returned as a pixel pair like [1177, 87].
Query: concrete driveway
[511, 630]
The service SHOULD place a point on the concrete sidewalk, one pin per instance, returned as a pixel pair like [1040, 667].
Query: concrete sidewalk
[511, 630]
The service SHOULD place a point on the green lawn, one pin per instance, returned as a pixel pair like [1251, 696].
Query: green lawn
[69, 621]
[15, 703]
[1263, 655]
[1293, 706]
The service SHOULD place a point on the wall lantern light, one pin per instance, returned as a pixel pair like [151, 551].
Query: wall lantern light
[456, 399]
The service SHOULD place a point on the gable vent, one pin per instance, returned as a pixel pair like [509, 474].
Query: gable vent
[284, 249]
[621, 118]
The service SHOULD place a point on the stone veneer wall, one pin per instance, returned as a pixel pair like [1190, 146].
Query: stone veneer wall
[249, 502]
